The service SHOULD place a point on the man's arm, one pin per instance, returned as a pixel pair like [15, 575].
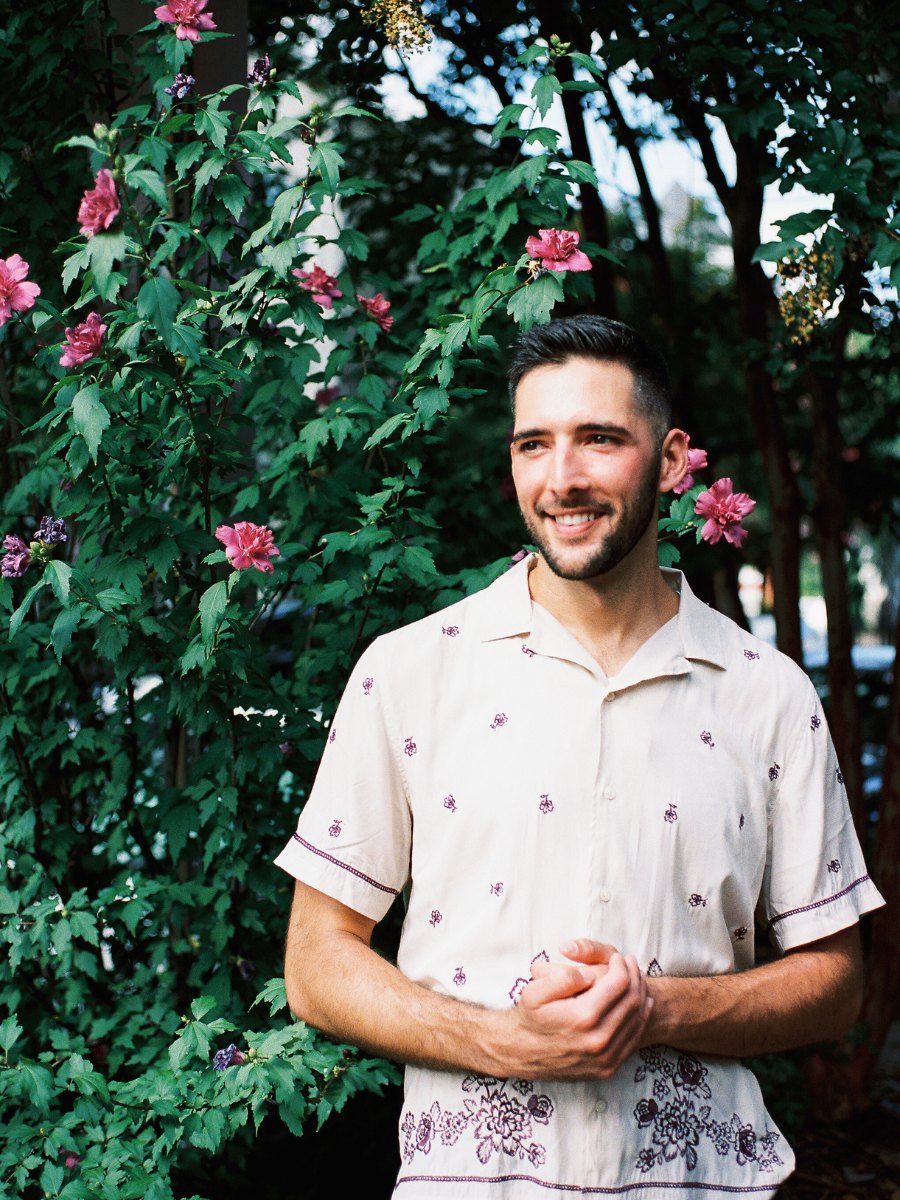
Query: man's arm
[810, 995]
[575, 1023]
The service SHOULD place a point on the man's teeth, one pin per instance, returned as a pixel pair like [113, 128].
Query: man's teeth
[574, 518]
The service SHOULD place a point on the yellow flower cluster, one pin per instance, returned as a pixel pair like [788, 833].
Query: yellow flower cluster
[402, 23]
[807, 292]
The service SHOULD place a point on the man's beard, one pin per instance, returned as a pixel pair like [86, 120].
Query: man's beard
[634, 517]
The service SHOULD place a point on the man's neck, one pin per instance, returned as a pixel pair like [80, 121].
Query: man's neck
[611, 615]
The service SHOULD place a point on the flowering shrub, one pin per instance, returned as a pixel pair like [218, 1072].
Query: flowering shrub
[163, 704]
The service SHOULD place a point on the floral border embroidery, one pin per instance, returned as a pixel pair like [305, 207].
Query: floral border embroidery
[382, 887]
[677, 1124]
[499, 1122]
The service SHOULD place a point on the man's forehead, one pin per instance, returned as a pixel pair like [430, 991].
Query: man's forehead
[580, 393]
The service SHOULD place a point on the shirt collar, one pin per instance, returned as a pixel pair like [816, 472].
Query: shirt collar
[505, 609]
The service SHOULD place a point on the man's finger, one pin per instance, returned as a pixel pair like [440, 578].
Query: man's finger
[557, 981]
[586, 950]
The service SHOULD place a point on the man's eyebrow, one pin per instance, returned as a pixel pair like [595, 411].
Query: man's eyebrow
[526, 435]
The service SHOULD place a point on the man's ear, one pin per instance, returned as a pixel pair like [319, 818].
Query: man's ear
[673, 459]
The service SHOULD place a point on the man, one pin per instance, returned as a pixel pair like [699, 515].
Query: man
[593, 783]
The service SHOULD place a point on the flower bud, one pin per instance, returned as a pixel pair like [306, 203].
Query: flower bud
[101, 132]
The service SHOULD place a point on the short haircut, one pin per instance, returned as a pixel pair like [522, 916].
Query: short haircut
[600, 338]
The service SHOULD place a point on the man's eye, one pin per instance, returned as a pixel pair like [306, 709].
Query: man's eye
[528, 446]
[601, 439]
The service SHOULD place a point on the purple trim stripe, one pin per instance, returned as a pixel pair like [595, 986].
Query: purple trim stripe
[382, 887]
[818, 904]
[585, 1189]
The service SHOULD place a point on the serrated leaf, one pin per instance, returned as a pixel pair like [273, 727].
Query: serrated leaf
[90, 417]
[22, 611]
[284, 206]
[201, 1006]
[327, 160]
[157, 302]
[533, 303]
[212, 608]
[152, 185]
[211, 169]
[10, 1031]
[545, 91]
[233, 192]
[384, 431]
[63, 628]
[60, 575]
[104, 250]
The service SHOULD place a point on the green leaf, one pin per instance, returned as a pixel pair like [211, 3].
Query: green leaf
[60, 574]
[152, 185]
[284, 206]
[90, 417]
[22, 611]
[211, 169]
[10, 1029]
[63, 628]
[201, 1006]
[214, 125]
[384, 431]
[157, 302]
[104, 250]
[327, 160]
[533, 303]
[74, 265]
[233, 192]
[212, 607]
[545, 90]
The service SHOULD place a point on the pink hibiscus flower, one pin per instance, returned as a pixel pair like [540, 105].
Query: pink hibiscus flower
[323, 286]
[99, 205]
[724, 510]
[15, 294]
[187, 16]
[696, 462]
[557, 250]
[376, 306]
[84, 341]
[248, 545]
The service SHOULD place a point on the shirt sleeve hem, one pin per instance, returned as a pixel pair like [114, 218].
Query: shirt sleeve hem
[821, 918]
[340, 880]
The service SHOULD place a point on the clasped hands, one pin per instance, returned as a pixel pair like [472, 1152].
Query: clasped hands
[581, 1019]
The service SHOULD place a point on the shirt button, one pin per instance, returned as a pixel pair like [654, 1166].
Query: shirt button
[610, 696]
[600, 1107]
[606, 895]
[609, 794]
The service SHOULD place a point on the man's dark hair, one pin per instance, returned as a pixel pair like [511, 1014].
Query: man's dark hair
[589, 336]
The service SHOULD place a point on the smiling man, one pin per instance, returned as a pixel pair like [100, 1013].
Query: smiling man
[595, 789]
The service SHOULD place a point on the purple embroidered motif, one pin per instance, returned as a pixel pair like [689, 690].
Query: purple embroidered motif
[450, 630]
[671, 814]
[773, 771]
[793, 912]
[706, 738]
[695, 900]
[459, 977]
[741, 822]
[332, 735]
[334, 829]
[834, 866]
[436, 917]
[409, 747]
[497, 889]
[546, 804]
[838, 776]
[498, 1121]
[367, 684]
[751, 654]
[527, 650]
[382, 887]
[449, 804]
[815, 721]
[740, 933]
[499, 721]
[678, 1123]
[654, 969]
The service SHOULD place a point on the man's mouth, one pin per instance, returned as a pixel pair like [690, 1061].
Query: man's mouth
[575, 518]
[573, 523]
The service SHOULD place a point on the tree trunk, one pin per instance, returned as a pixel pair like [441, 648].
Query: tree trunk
[830, 524]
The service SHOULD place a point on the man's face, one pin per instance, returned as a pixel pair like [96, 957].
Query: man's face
[585, 465]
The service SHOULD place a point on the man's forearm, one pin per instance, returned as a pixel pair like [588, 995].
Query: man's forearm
[810, 995]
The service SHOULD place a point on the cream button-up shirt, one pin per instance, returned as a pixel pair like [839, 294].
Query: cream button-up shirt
[482, 758]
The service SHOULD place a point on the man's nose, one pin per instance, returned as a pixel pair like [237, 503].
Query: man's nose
[567, 471]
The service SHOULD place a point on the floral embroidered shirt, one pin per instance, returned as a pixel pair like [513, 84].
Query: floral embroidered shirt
[482, 759]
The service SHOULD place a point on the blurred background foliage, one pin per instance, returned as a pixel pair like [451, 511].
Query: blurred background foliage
[161, 717]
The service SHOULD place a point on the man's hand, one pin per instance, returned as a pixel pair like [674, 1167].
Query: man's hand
[584, 1020]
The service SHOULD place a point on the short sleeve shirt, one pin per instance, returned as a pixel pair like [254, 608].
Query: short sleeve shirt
[482, 759]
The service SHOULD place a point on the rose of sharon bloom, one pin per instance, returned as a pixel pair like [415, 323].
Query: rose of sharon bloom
[187, 16]
[99, 205]
[557, 250]
[696, 462]
[248, 545]
[52, 531]
[84, 341]
[182, 85]
[230, 1056]
[323, 286]
[724, 510]
[377, 307]
[17, 558]
[260, 72]
[15, 294]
